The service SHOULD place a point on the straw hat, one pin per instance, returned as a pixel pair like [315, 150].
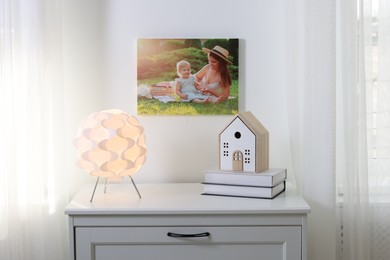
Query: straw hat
[220, 52]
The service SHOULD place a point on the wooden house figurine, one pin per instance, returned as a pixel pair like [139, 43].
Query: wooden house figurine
[244, 145]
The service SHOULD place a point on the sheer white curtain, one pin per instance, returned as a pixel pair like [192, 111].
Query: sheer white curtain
[377, 48]
[33, 187]
[311, 112]
[351, 149]
[364, 30]
[352, 136]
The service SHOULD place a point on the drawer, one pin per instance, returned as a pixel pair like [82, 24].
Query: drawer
[190, 243]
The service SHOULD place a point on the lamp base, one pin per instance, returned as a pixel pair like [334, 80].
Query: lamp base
[105, 187]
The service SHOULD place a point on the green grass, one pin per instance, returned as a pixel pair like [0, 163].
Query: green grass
[152, 106]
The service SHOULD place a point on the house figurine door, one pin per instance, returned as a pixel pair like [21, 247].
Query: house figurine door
[237, 161]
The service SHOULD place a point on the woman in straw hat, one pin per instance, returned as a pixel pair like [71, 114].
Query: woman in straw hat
[214, 78]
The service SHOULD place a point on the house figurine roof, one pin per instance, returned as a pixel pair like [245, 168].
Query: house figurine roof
[252, 123]
[244, 145]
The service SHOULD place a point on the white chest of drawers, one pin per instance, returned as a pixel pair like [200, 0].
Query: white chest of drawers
[173, 221]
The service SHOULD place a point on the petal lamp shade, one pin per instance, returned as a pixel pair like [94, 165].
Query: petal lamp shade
[110, 144]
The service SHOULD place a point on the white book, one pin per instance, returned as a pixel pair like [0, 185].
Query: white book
[243, 191]
[267, 178]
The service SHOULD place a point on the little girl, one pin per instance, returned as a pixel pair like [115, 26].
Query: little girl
[186, 85]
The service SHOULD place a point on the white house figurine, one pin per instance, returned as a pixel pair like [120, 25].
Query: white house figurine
[244, 145]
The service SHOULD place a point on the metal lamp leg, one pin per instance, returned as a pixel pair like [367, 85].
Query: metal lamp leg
[94, 189]
[97, 181]
[135, 186]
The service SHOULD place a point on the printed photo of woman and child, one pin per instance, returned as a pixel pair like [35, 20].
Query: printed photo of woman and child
[187, 76]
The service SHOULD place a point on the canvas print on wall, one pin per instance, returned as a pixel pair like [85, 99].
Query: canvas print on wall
[187, 76]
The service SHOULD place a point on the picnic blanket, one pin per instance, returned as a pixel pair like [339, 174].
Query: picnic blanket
[164, 92]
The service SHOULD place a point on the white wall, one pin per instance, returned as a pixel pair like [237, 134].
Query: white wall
[100, 50]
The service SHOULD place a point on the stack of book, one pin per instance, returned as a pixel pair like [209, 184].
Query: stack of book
[267, 184]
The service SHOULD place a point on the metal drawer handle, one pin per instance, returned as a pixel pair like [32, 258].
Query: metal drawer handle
[204, 234]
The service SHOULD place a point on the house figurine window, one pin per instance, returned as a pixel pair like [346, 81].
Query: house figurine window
[244, 145]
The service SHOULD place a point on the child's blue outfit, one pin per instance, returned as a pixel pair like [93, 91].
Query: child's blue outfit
[188, 87]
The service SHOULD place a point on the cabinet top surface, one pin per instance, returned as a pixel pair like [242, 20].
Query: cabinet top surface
[176, 198]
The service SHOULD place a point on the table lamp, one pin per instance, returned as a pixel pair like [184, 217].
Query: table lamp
[110, 144]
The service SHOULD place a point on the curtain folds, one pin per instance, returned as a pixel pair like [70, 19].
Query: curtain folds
[364, 181]
[364, 170]
[311, 114]
[33, 193]
[376, 51]
[353, 174]
[339, 123]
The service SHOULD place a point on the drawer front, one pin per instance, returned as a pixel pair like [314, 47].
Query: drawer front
[190, 243]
